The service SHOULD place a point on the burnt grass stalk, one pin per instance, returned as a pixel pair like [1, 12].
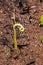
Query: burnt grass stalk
[6, 42]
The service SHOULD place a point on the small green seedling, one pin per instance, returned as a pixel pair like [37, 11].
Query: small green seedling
[21, 28]
[41, 20]
[41, 38]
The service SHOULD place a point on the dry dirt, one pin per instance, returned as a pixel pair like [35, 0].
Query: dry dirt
[30, 48]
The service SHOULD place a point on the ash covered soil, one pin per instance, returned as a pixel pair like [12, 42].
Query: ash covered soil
[30, 48]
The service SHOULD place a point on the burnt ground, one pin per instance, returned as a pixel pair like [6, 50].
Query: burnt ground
[30, 48]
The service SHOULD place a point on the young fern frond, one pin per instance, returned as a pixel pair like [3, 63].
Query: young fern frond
[21, 28]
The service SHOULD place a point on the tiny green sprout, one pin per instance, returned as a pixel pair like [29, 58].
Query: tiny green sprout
[41, 20]
[21, 28]
[41, 38]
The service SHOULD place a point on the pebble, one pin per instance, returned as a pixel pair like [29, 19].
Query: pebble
[35, 45]
[33, 6]
[1, 33]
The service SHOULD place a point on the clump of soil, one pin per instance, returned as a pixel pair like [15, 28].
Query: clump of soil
[30, 48]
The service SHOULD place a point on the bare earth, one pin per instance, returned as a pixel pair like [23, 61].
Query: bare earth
[30, 48]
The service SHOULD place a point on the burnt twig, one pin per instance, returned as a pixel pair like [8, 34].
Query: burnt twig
[6, 42]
